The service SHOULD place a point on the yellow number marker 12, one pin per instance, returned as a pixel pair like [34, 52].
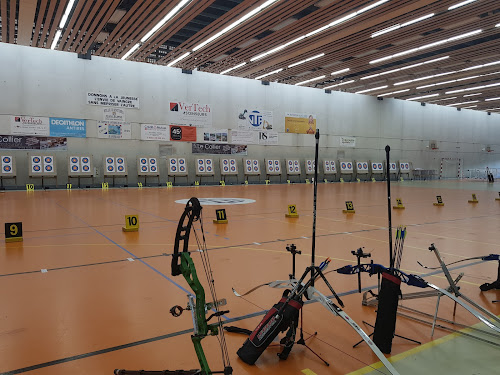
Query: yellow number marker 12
[349, 208]
[292, 211]
[221, 216]
[13, 232]
[131, 223]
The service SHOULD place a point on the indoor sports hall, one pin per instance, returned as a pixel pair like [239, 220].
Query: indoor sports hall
[249, 187]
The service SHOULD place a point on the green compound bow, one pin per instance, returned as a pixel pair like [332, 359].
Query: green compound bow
[182, 263]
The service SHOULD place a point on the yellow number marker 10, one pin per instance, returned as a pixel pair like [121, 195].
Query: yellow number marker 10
[30, 187]
[349, 208]
[292, 211]
[221, 216]
[131, 223]
[13, 232]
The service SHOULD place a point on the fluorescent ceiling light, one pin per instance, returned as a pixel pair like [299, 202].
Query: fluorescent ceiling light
[394, 92]
[310, 80]
[233, 68]
[479, 93]
[131, 51]
[340, 71]
[406, 67]
[452, 81]
[487, 100]
[398, 26]
[481, 66]
[423, 97]
[157, 27]
[471, 106]
[165, 19]
[268, 74]
[319, 30]
[339, 84]
[234, 24]
[62, 23]
[425, 46]
[56, 39]
[424, 78]
[497, 25]
[442, 100]
[492, 109]
[470, 102]
[373, 89]
[473, 88]
[461, 4]
[306, 60]
[173, 62]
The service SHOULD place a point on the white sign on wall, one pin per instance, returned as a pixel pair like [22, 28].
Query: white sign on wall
[151, 132]
[110, 100]
[190, 114]
[28, 125]
[114, 130]
[255, 119]
[113, 114]
[215, 135]
[244, 137]
[347, 142]
[268, 138]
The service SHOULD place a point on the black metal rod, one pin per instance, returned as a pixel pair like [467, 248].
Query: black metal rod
[389, 212]
[316, 162]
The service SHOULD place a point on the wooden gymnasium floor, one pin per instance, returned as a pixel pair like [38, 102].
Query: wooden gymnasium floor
[94, 310]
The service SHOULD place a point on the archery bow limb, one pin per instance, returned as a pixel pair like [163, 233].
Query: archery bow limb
[488, 257]
[182, 263]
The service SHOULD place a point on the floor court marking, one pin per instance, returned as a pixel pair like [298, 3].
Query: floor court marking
[162, 337]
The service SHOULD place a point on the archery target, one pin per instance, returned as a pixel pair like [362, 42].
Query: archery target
[404, 167]
[233, 162]
[173, 161]
[343, 166]
[233, 168]
[144, 168]
[48, 164]
[248, 168]
[36, 164]
[362, 166]
[365, 166]
[225, 168]
[143, 161]
[349, 166]
[110, 164]
[74, 164]
[393, 167]
[225, 162]
[121, 168]
[152, 168]
[86, 164]
[7, 164]
[380, 166]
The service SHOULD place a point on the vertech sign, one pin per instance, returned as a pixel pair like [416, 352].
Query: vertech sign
[190, 114]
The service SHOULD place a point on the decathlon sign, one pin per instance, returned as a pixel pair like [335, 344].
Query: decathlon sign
[68, 127]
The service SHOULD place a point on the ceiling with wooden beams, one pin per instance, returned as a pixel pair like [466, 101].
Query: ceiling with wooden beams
[445, 52]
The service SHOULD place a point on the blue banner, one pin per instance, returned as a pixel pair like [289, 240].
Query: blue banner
[68, 127]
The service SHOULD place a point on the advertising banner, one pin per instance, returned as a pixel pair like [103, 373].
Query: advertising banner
[347, 142]
[255, 119]
[114, 130]
[244, 137]
[183, 133]
[20, 142]
[215, 135]
[113, 114]
[110, 100]
[268, 138]
[152, 132]
[218, 149]
[190, 114]
[68, 127]
[301, 123]
[28, 125]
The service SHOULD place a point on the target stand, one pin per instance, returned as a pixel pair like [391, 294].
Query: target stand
[42, 167]
[115, 167]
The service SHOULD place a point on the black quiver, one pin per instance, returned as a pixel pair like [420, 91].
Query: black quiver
[388, 299]
[494, 284]
[267, 330]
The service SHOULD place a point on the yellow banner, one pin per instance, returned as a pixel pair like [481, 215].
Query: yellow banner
[300, 123]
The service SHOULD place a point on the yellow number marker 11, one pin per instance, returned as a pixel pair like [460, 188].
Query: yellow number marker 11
[13, 232]
[221, 216]
[131, 223]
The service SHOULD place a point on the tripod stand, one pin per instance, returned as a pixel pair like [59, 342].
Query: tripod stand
[301, 341]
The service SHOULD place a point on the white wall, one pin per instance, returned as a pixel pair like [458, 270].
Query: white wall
[40, 82]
